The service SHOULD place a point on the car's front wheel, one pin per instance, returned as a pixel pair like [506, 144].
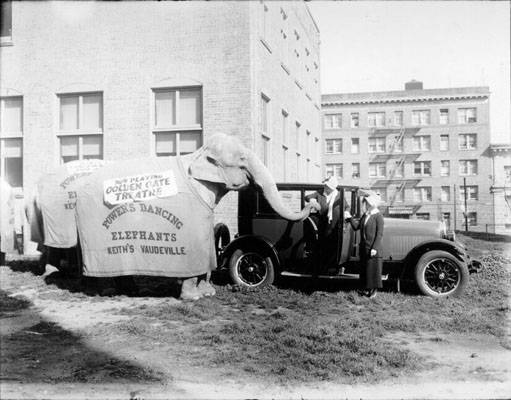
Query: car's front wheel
[251, 268]
[440, 274]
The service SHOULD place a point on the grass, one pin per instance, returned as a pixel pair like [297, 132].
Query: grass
[285, 334]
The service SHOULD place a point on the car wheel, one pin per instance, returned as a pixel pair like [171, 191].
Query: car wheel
[440, 274]
[251, 268]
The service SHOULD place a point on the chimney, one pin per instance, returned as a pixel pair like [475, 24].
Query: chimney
[413, 85]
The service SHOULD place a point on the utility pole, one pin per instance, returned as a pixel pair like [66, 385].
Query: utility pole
[465, 196]
[455, 201]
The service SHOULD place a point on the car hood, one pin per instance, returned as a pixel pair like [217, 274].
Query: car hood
[414, 227]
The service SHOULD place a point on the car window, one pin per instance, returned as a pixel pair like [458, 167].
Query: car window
[290, 198]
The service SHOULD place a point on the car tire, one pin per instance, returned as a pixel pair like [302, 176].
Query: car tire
[250, 268]
[440, 274]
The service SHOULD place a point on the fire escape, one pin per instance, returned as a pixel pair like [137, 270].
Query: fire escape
[396, 176]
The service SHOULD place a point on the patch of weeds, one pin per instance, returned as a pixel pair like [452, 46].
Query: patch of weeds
[9, 304]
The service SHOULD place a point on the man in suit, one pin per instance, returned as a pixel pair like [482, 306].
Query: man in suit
[327, 203]
[370, 250]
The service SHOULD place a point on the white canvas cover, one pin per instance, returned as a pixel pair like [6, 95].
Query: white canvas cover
[144, 217]
[7, 218]
[56, 200]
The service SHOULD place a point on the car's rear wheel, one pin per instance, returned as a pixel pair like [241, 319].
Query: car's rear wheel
[251, 268]
[440, 274]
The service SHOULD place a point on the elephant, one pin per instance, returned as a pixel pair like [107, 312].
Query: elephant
[154, 216]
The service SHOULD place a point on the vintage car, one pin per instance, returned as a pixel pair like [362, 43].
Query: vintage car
[268, 246]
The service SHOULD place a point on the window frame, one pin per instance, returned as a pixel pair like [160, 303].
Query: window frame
[331, 116]
[448, 162]
[177, 128]
[421, 114]
[422, 168]
[80, 146]
[444, 139]
[15, 136]
[380, 143]
[467, 163]
[463, 118]
[334, 166]
[333, 142]
[421, 141]
[375, 114]
[80, 118]
[464, 141]
[379, 167]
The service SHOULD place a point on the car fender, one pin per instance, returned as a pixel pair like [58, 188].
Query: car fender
[250, 240]
[436, 244]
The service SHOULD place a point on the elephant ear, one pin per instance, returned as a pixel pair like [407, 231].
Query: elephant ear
[206, 167]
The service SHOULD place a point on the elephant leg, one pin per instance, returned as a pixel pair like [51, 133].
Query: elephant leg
[189, 289]
[205, 286]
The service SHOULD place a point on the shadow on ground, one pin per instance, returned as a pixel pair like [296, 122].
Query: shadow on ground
[35, 350]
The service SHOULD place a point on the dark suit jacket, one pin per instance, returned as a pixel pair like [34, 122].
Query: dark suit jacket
[372, 233]
[336, 212]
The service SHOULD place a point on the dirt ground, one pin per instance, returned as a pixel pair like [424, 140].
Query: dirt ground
[61, 345]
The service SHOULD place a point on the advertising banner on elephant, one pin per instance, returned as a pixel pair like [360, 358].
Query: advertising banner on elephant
[144, 217]
[56, 199]
[7, 217]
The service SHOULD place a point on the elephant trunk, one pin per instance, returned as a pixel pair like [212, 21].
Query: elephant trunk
[263, 178]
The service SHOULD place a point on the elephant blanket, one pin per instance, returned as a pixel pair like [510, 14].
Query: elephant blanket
[144, 217]
[56, 199]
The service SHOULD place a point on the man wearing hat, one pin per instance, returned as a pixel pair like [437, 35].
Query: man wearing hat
[370, 250]
[327, 204]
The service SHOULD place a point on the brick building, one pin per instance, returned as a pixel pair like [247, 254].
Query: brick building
[122, 80]
[501, 188]
[415, 147]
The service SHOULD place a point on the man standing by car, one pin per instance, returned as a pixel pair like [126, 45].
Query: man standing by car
[371, 234]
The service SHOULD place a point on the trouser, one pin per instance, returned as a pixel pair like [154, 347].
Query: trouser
[370, 271]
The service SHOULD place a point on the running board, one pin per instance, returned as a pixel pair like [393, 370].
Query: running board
[340, 276]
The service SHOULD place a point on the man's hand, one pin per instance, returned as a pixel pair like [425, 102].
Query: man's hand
[315, 205]
[373, 252]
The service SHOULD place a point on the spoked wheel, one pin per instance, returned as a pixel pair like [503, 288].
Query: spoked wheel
[439, 274]
[251, 269]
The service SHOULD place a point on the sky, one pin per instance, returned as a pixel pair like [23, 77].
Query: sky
[377, 46]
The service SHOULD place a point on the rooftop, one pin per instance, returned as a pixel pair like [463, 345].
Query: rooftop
[411, 95]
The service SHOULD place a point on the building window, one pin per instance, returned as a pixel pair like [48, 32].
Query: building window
[377, 170]
[333, 146]
[376, 145]
[397, 145]
[6, 21]
[398, 118]
[422, 168]
[354, 120]
[11, 161]
[472, 193]
[355, 145]
[472, 218]
[422, 143]
[424, 216]
[444, 142]
[399, 169]
[507, 172]
[467, 141]
[421, 117]
[81, 113]
[11, 140]
[422, 194]
[333, 121]
[468, 167]
[177, 121]
[285, 127]
[399, 195]
[334, 170]
[444, 116]
[467, 115]
[80, 147]
[446, 217]
[264, 125]
[445, 168]
[375, 119]
[445, 194]
[355, 170]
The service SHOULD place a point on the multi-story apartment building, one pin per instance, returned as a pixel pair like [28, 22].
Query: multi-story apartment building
[416, 147]
[501, 188]
[122, 80]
